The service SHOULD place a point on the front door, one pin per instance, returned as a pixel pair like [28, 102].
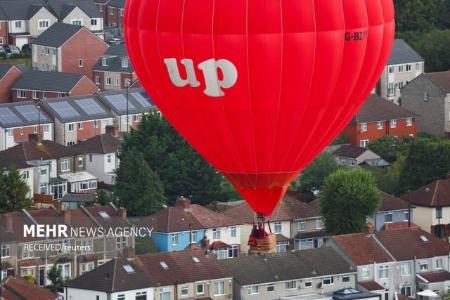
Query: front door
[42, 276]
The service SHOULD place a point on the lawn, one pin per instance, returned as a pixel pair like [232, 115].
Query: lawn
[17, 61]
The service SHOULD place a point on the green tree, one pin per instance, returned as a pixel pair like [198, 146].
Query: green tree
[138, 188]
[104, 198]
[313, 176]
[13, 191]
[388, 147]
[388, 179]
[180, 168]
[54, 275]
[347, 197]
[434, 47]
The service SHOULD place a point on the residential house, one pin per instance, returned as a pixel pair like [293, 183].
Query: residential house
[8, 75]
[77, 118]
[57, 170]
[392, 213]
[113, 70]
[67, 48]
[115, 9]
[432, 207]
[3, 28]
[377, 118]
[187, 274]
[25, 257]
[19, 120]
[25, 21]
[19, 288]
[390, 262]
[291, 219]
[404, 64]
[316, 273]
[132, 103]
[101, 155]
[428, 96]
[178, 227]
[355, 156]
[79, 12]
[102, 8]
[38, 85]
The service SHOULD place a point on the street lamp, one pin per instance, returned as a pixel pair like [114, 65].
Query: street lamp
[127, 87]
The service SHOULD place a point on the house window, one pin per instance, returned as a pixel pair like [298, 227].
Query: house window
[301, 225]
[116, 81]
[124, 62]
[43, 171]
[319, 224]
[400, 68]
[409, 122]
[292, 284]
[121, 242]
[27, 252]
[363, 127]
[93, 184]
[121, 297]
[21, 130]
[1, 40]
[26, 175]
[271, 287]
[233, 251]
[35, 129]
[18, 24]
[346, 278]
[406, 290]
[97, 79]
[365, 272]
[408, 67]
[174, 238]
[6, 251]
[43, 24]
[391, 69]
[104, 62]
[35, 95]
[439, 212]
[233, 230]
[81, 126]
[21, 94]
[108, 80]
[282, 247]
[108, 158]
[405, 269]
[65, 165]
[164, 294]
[438, 264]
[71, 143]
[80, 161]
[253, 290]
[308, 283]
[200, 289]
[418, 66]
[328, 281]
[391, 89]
[9, 132]
[219, 288]
[405, 215]
[216, 234]
[127, 82]
[364, 143]
[44, 95]
[71, 127]
[380, 125]
[184, 291]
[93, 22]
[86, 267]
[383, 272]
[393, 123]
[277, 227]
[425, 96]
[121, 12]
[306, 244]
[80, 63]
[87, 246]
[423, 266]
[388, 218]
[78, 22]
[65, 270]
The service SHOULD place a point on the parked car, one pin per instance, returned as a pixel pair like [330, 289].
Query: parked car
[115, 41]
[12, 49]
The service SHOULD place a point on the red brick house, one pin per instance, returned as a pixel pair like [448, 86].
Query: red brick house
[19, 288]
[377, 118]
[35, 85]
[8, 75]
[115, 10]
[67, 48]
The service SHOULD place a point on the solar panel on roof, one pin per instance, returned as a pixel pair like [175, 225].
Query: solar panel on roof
[64, 109]
[30, 112]
[90, 107]
[119, 101]
[8, 117]
[139, 97]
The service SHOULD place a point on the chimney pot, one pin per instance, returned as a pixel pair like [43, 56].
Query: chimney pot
[183, 202]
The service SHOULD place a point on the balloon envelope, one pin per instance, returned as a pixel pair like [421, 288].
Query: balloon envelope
[259, 87]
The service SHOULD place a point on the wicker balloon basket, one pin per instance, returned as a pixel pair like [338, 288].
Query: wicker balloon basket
[264, 245]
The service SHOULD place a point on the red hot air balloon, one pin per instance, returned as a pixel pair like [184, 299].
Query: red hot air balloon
[259, 87]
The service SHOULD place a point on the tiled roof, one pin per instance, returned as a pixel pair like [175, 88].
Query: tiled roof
[57, 34]
[100, 144]
[114, 55]
[288, 209]
[442, 79]
[434, 194]
[349, 151]
[403, 53]
[19, 9]
[18, 114]
[178, 218]
[362, 248]
[377, 109]
[77, 108]
[148, 271]
[80, 198]
[117, 3]
[390, 202]
[371, 285]
[47, 81]
[218, 245]
[312, 234]
[24, 290]
[420, 244]
[281, 238]
[63, 7]
[257, 269]
[4, 68]
[434, 277]
[398, 225]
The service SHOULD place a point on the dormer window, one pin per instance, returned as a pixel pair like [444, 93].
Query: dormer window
[124, 62]
[104, 61]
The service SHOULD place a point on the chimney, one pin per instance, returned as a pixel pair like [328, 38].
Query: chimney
[183, 202]
[123, 213]
[9, 222]
[35, 138]
[112, 130]
[370, 228]
[67, 216]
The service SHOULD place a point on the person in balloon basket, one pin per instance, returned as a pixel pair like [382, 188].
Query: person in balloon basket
[258, 232]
